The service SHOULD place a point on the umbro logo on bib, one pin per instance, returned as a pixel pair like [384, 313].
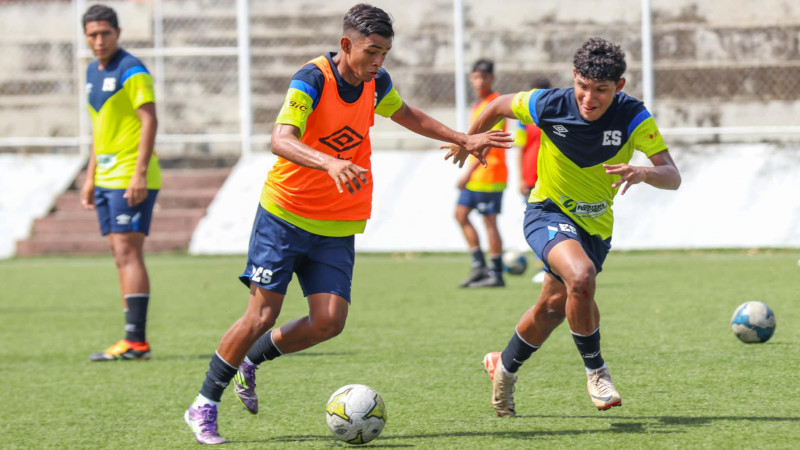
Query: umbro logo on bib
[342, 140]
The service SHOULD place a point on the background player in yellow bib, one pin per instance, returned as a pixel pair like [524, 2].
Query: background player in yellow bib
[589, 133]
[123, 176]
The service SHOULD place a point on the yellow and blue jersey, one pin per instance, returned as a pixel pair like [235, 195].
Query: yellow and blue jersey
[115, 92]
[573, 151]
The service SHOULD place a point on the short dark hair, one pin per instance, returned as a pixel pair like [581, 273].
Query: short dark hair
[97, 13]
[541, 83]
[484, 65]
[367, 19]
[599, 60]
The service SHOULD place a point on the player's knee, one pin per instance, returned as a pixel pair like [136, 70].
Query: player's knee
[329, 327]
[582, 284]
[259, 323]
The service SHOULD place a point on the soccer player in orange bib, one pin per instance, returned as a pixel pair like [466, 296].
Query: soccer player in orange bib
[316, 198]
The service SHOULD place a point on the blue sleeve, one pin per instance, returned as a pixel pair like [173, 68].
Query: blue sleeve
[383, 85]
[309, 79]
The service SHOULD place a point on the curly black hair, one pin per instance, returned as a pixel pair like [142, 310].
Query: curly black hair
[600, 60]
[367, 19]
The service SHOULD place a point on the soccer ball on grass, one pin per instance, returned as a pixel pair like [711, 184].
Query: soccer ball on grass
[514, 262]
[356, 414]
[753, 322]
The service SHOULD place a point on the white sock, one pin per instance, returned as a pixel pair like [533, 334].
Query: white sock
[202, 401]
[247, 360]
[590, 371]
[505, 371]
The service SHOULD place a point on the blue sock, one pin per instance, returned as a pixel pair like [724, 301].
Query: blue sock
[589, 348]
[264, 349]
[136, 317]
[218, 377]
[496, 266]
[516, 352]
[477, 258]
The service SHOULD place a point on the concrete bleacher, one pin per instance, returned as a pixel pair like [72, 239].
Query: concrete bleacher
[181, 203]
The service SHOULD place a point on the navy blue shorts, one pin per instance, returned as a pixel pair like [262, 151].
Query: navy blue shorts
[546, 225]
[278, 249]
[486, 203]
[115, 216]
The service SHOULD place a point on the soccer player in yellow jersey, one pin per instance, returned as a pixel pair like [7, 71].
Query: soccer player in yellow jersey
[316, 198]
[123, 176]
[481, 188]
[589, 134]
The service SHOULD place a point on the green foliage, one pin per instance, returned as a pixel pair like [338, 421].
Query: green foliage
[685, 380]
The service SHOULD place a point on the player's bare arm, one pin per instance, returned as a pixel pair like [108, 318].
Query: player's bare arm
[419, 122]
[87, 192]
[137, 188]
[664, 174]
[498, 109]
[286, 143]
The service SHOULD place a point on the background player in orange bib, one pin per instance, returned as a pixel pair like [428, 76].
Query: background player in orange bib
[316, 198]
[481, 189]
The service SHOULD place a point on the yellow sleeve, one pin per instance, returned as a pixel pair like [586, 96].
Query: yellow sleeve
[139, 89]
[389, 104]
[647, 139]
[519, 106]
[295, 110]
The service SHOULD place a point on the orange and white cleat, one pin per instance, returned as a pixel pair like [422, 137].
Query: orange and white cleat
[124, 350]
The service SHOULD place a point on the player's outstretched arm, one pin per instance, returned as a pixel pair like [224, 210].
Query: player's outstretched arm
[286, 143]
[496, 110]
[664, 174]
[417, 121]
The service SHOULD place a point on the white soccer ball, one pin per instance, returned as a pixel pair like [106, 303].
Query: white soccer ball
[753, 322]
[514, 262]
[356, 414]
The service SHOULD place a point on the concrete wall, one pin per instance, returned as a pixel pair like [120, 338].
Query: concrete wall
[731, 197]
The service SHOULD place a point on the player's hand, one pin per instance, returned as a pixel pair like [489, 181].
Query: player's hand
[459, 154]
[629, 175]
[347, 174]
[137, 190]
[87, 195]
[480, 144]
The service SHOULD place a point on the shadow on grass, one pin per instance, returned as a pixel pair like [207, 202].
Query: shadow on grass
[636, 425]
[179, 357]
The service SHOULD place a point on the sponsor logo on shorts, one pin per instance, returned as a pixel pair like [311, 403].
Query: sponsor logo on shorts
[123, 219]
[584, 209]
[261, 275]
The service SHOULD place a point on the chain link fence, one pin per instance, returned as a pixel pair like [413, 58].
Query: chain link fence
[716, 64]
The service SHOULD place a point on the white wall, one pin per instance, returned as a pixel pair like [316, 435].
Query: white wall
[731, 197]
[29, 184]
